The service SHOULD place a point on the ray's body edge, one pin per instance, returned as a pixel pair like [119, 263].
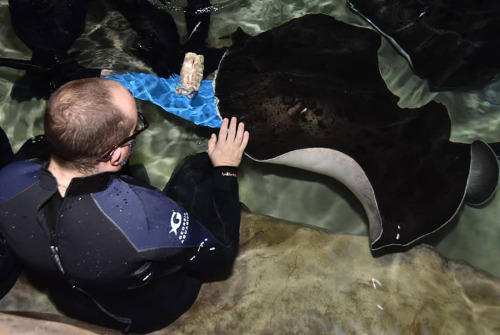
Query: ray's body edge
[352, 175]
[391, 40]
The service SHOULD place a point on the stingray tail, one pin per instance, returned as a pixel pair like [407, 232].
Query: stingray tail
[484, 174]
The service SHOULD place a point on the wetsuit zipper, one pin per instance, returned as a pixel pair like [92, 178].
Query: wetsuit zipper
[55, 255]
[54, 248]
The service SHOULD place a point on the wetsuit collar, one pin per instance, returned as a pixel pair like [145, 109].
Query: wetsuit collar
[78, 186]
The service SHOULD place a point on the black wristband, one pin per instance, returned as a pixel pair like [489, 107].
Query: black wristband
[226, 171]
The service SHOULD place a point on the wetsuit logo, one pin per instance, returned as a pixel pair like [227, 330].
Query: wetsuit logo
[178, 220]
[175, 222]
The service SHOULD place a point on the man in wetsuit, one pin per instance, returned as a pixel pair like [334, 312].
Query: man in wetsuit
[110, 249]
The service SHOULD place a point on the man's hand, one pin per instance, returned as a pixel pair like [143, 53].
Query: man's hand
[228, 149]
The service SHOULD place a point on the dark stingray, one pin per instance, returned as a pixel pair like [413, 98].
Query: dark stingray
[312, 97]
[454, 44]
[49, 28]
[159, 45]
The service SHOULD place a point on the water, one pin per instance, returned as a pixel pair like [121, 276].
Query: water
[278, 191]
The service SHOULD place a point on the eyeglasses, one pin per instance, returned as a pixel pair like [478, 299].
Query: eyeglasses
[142, 125]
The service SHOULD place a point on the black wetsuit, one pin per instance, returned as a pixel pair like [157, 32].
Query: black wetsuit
[115, 252]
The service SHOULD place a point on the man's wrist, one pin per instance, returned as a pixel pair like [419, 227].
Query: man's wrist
[226, 171]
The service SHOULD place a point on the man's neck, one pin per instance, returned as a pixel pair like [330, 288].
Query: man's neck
[64, 175]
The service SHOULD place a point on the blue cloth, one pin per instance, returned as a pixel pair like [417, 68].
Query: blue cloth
[200, 109]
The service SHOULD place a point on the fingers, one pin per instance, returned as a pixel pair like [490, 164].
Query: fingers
[228, 148]
[239, 134]
[232, 129]
[211, 143]
[230, 132]
[242, 137]
[244, 142]
[223, 130]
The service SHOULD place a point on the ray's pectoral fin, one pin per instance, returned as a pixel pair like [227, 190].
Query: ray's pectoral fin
[338, 165]
[41, 80]
[482, 182]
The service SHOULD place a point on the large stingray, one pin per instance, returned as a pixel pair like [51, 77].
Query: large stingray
[48, 28]
[454, 44]
[313, 98]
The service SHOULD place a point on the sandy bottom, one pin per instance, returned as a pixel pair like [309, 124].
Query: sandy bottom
[278, 191]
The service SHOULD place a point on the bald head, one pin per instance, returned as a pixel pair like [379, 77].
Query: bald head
[86, 117]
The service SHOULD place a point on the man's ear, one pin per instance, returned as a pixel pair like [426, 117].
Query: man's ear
[112, 165]
[117, 157]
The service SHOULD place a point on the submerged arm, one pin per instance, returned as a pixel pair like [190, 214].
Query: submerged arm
[9, 268]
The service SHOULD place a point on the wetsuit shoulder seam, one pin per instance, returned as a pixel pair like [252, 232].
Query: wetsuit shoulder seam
[113, 222]
[19, 193]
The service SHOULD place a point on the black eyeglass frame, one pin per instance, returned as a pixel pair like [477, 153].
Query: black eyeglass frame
[108, 153]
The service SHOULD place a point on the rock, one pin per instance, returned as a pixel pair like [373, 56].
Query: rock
[290, 279]
[294, 280]
[46, 324]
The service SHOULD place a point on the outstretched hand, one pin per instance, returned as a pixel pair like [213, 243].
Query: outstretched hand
[228, 149]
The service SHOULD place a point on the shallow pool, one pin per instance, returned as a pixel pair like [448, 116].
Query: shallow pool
[278, 191]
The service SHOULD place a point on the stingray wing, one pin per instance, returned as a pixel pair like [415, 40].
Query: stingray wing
[312, 97]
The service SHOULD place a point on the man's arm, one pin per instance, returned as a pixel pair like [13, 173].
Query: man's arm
[226, 152]
[213, 200]
[9, 268]
[8, 264]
